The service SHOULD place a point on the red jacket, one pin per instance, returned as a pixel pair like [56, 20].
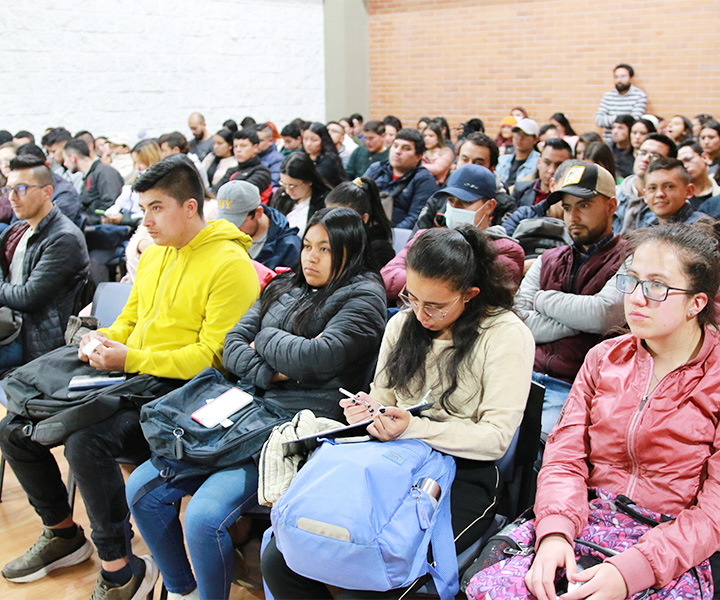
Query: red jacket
[658, 450]
[510, 254]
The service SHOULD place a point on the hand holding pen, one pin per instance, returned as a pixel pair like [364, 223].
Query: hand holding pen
[390, 422]
[358, 407]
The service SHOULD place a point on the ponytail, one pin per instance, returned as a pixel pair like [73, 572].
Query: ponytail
[362, 195]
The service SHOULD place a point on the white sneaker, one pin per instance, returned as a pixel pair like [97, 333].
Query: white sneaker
[194, 595]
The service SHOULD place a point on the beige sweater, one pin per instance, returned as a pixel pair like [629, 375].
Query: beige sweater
[490, 398]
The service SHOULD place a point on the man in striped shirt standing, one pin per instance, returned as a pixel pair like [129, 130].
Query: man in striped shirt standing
[625, 99]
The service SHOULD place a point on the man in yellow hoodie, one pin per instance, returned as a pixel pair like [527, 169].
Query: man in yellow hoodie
[192, 286]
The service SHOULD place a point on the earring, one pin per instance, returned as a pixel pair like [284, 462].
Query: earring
[691, 314]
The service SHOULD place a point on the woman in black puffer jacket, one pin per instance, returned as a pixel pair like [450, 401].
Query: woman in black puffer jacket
[308, 335]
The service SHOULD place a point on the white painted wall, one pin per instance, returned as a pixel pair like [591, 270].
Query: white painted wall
[131, 65]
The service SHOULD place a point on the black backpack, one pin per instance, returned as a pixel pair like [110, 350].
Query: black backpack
[182, 447]
[540, 234]
[48, 412]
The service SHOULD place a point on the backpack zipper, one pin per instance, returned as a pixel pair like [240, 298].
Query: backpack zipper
[203, 456]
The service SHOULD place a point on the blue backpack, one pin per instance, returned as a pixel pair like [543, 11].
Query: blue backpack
[356, 517]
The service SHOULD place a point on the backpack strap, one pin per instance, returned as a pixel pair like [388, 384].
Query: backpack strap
[444, 568]
[441, 559]
[624, 504]
[53, 430]
[164, 475]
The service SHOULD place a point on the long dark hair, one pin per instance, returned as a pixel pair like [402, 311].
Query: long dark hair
[328, 161]
[436, 127]
[600, 154]
[350, 256]
[563, 120]
[462, 258]
[442, 121]
[225, 134]
[328, 146]
[688, 129]
[362, 195]
[299, 165]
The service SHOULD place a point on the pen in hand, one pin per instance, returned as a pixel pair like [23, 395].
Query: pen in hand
[355, 399]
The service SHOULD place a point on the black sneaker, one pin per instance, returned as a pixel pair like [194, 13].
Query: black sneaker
[137, 588]
[48, 553]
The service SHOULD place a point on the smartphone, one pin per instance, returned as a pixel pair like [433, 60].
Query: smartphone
[220, 408]
[92, 382]
[563, 586]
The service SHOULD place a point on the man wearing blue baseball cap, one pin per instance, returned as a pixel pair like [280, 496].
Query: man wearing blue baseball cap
[470, 198]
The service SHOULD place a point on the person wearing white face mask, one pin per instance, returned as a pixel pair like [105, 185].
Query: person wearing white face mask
[470, 198]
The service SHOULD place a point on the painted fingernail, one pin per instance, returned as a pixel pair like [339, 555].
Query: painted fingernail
[382, 410]
[353, 400]
[371, 410]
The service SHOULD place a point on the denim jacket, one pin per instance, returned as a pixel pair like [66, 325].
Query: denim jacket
[526, 170]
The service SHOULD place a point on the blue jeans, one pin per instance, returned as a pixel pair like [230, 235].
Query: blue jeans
[218, 500]
[11, 355]
[556, 392]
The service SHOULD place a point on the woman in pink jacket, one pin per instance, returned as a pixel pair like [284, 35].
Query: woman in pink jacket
[642, 420]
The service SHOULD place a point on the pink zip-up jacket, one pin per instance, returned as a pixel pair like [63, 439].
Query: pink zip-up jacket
[660, 450]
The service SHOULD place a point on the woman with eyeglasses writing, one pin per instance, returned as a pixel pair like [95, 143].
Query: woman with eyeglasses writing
[642, 421]
[460, 339]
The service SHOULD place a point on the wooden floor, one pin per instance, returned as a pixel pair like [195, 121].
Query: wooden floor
[20, 527]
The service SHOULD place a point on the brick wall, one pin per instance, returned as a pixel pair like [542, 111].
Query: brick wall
[466, 58]
[128, 65]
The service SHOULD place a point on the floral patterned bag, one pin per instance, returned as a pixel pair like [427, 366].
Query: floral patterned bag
[614, 525]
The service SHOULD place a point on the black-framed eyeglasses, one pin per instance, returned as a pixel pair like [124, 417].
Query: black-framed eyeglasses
[438, 314]
[652, 290]
[19, 190]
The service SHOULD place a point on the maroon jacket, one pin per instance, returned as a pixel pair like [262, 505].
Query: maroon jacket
[563, 358]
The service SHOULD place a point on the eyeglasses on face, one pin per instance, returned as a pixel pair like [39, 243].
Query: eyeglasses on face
[652, 290]
[291, 186]
[19, 190]
[652, 155]
[686, 160]
[438, 314]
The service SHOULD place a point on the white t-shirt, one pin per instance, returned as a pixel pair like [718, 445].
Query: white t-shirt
[298, 216]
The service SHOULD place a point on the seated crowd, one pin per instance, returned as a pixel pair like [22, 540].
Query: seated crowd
[269, 260]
